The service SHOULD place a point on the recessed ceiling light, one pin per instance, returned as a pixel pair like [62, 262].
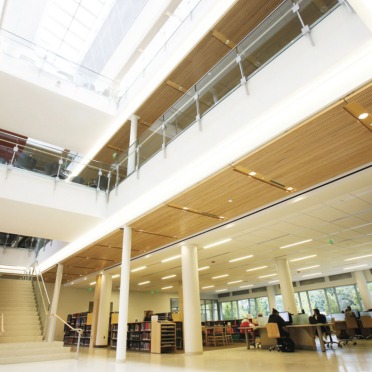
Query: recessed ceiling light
[257, 268]
[229, 226]
[235, 281]
[230, 201]
[217, 243]
[208, 286]
[246, 286]
[307, 268]
[92, 283]
[305, 276]
[72, 283]
[241, 258]
[148, 255]
[221, 290]
[85, 278]
[363, 115]
[252, 173]
[142, 283]
[297, 243]
[357, 258]
[115, 276]
[303, 258]
[171, 258]
[170, 286]
[138, 269]
[203, 268]
[266, 276]
[354, 267]
[220, 276]
[168, 277]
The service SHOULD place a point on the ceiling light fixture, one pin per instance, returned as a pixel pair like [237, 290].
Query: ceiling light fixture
[357, 258]
[217, 243]
[235, 281]
[360, 113]
[220, 276]
[305, 276]
[208, 286]
[221, 290]
[354, 267]
[171, 258]
[303, 258]
[274, 281]
[257, 268]
[246, 286]
[115, 276]
[266, 276]
[142, 283]
[170, 286]
[168, 277]
[138, 269]
[93, 283]
[297, 243]
[307, 268]
[241, 258]
[203, 268]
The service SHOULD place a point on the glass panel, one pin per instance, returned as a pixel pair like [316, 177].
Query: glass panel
[317, 300]
[262, 306]
[221, 80]
[226, 310]
[150, 142]
[202, 311]
[252, 306]
[370, 287]
[279, 302]
[234, 310]
[243, 308]
[347, 296]
[208, 310]
[215, 310]
[312, 10]
[305, 303]
[270, 38]
[298, 304]
[332, 301]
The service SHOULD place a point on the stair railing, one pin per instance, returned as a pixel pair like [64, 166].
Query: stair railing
[2, 330]
[36, 273]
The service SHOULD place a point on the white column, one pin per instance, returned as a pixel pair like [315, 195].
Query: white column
[104, 310]
[363, 289]
[121, 348]
[363, 8]
[286, 286]
[95, 312]
[132, 141]
[271, 296]
[54, 304]
[191, 301]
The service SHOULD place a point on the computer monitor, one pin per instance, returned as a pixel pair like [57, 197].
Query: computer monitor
[286, 316]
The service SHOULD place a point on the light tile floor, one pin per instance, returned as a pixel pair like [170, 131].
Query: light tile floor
[350, 358]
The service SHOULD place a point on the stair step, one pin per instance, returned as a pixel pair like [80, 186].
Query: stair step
[34, 351]
[36, 358]
[31, 345]
[19, 313]
[4, 339]
[17, 326]
[11, 309]
[23, 332]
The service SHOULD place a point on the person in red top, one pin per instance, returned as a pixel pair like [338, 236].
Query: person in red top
[245, 323]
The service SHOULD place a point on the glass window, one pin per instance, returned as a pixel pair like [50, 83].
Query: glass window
[298, 302]
[317, 300]
[252, 306]
[370, 287]
[279, 302]
[262, 306]
[208, 310]
[243, 308]
[216, 313]
[234, 305]
[347, 296]
[226, 310]
[305, 303]
[202, 311]
[333, 307]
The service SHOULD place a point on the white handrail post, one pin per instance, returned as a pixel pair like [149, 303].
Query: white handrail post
[78, 345]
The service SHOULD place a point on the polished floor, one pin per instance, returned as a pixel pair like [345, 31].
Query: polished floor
[356, 358]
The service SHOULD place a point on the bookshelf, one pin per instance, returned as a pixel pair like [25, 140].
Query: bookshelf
[163, 337]
[114, 320]
[139, 336]
[78, 320]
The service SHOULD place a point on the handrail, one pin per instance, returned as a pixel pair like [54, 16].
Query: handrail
[2, 330]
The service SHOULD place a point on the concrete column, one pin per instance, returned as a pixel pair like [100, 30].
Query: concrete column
[271, 296]
[132, 146]
[121, 349]
[363, 8]
[103, 318]
[363, 289]
[286, 286]
[54, 304]
[193, 343]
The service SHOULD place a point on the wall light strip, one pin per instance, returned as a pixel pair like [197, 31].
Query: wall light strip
[220, 276]
[355, 267]
[297, 243]
[217, 243]
[241, 258]
[303, 258]
[357, 258]
[138, 269]
[168, 277]
[142, 283]
[171, 258]
[257, 268]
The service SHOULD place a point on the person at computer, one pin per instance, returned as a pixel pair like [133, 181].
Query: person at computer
[349, 312]
[319, 318]
[276, 318]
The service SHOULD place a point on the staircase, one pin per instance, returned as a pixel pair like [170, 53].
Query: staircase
[22, 341]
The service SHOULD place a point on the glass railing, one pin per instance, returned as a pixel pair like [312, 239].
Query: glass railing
[274, 35]
[22, 51]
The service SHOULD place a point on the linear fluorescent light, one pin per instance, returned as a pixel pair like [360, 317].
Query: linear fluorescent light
[220, 276]
[168, 277]
[257, 268]
[308, 267]
[115, 276]
[305, 276]
[266, 276]
[354, 267]
[171, 258]
[142, 283]
[217, 243]
[170, 286]
[246, 286]
[357, 258]
[235, 281]
[208, 286]
[203, 268]
[138, 269]
[221, 290]
[297, 243]
[304, 258]
[274, 281]
[241, 258]
[93, 283]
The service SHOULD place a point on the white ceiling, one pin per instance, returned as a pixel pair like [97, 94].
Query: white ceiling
[337, 217]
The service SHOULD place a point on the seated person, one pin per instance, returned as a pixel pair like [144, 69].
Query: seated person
[349, 312]
[276, 318]
[319, 318]
[245, 323]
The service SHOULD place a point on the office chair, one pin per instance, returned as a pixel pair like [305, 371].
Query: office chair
[327, 331]
[273, 332]
[366, 321]
[351, 325]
